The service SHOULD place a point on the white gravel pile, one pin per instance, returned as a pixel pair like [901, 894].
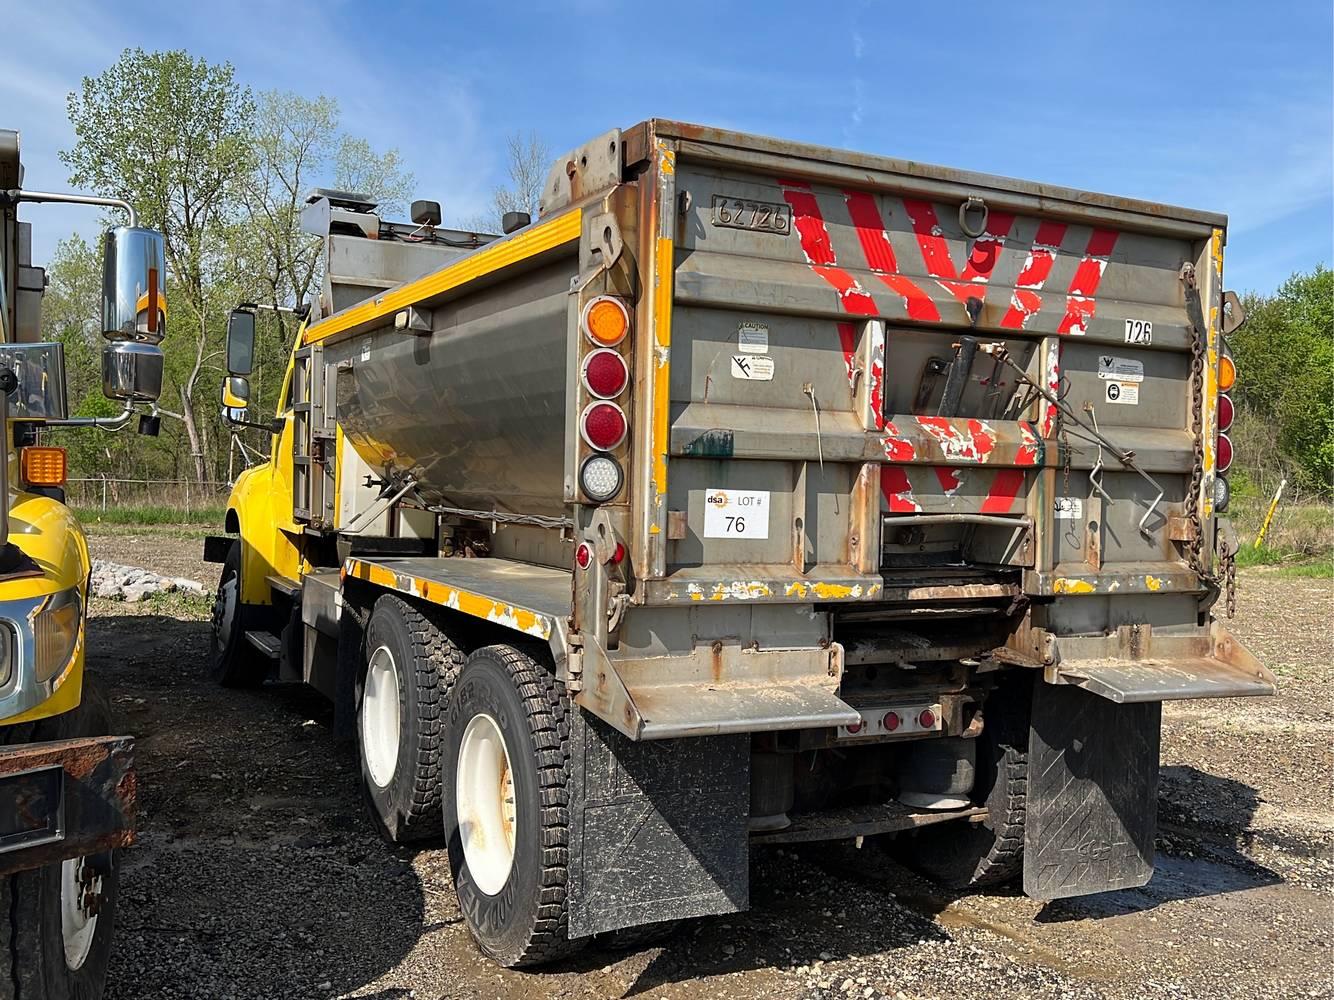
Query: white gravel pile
[133, 583]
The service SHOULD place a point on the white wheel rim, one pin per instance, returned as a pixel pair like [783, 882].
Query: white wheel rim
[80, 896]
[379, 717]
[484, 800]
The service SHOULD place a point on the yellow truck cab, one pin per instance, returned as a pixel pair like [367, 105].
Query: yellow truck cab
[67, 784]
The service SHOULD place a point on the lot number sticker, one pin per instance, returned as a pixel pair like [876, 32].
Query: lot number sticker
[736, 514]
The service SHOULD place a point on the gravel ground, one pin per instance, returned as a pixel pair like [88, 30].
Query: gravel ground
[258, 875]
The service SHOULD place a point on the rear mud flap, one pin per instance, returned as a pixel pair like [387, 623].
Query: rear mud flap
[658, 830]
[1092, 805]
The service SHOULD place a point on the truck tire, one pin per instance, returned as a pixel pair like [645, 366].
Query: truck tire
[233, 661]
[963, 855]
[507, 766]
[409, 668]
[58, 921]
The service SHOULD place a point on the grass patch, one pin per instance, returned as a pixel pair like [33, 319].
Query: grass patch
[1286, 561]
[211, 517]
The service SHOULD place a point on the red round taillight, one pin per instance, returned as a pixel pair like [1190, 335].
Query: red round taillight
[1226, 413]
[891, 721]
[583, 555]
[603, 425]
[618, 554]
[927, 719]
[605, 373]
[854, 728]
[1224, 452]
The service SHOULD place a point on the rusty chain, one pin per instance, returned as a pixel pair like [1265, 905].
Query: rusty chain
[1194, 548]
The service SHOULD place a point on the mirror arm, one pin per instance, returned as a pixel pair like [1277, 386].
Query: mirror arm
[19, 194]
[106, 423]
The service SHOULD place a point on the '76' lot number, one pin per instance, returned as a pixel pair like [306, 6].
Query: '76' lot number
[736, 514]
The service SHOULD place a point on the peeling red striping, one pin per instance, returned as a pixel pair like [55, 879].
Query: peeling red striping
[809, 222]
[983, 439]
[950, 478]
[852, 295]
[1053, 380]
[973, 444]
[897, 489]
[897, 447]
[1005, 487]
[880, 257]
[1037, 268]
[1029, 449]
[1080, 303]
[926, 227]
[935, 249]
[876, 395]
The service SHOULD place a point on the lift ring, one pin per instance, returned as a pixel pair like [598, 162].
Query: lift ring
[974, 204]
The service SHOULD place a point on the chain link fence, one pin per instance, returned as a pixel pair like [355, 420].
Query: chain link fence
[104, 493]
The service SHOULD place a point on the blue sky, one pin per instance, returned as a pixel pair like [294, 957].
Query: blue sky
[1223, 106]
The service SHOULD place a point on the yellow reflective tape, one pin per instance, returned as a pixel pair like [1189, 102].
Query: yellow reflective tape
[664, 282]
[539, 239]
[455, 598]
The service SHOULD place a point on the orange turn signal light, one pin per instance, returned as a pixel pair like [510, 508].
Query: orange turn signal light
[1227, 373]
[43, 466]
[606, 320]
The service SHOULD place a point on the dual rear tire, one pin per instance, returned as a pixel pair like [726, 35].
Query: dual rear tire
[476, 747]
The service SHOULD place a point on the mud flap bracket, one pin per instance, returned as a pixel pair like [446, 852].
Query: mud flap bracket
[1092, 804]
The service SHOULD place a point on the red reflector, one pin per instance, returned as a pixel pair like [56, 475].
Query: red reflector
[583, 555]
[927, 719]
[604, 426]
[605, 373]
[855, 728]
[618, 555]
[1224, 452]
[891, 721]
[1226, 413]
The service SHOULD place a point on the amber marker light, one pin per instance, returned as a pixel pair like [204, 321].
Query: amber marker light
[606, 320]
[43, 466]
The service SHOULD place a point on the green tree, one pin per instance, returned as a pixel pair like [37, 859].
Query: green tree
[172, 135]
[1285, 361]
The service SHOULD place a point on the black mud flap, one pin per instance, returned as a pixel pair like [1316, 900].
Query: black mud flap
[657, 829]
[1092, 808]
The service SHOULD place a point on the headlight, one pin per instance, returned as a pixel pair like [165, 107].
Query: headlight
[56, 630]
[6, 654]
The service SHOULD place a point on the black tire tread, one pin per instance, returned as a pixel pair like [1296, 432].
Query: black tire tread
[547, 709]
[243, 666]
[437, 660]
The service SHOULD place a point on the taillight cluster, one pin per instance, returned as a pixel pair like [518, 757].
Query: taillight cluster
[1227, 411]
[604, 375]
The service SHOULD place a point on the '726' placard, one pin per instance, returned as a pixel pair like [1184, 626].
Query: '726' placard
[754, 216]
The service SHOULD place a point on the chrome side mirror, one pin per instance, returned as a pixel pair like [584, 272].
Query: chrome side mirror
[134, 285]
[132, 371]
[241, 342]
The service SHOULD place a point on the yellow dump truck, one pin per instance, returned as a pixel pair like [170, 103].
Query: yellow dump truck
[67, 783]
[755, 493]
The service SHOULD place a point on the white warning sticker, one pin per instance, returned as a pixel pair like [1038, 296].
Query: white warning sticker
[752, 338]
[1120, 369]
[1123, 392]
[752, 368]
[1069, 509]
[736, 514]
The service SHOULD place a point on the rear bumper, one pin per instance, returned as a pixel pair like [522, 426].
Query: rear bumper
[65, 799]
